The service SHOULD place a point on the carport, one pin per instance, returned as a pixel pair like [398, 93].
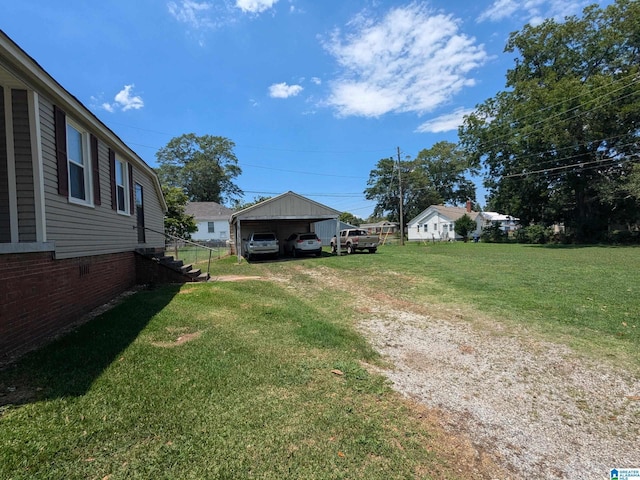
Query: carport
[283, 215]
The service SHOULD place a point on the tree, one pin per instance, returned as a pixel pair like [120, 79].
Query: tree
[350, 218]
[435, 176]
[446, 167]
[464, 226]
[176, 221]
[202, 166]
[385, 189]
[237, 205]
[559, 142]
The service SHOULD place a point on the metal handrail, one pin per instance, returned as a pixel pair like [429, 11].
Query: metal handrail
[177, 238]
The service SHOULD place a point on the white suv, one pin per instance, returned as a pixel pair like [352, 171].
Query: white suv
[261, 244]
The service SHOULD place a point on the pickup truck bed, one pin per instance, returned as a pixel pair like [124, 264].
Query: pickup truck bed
[353, 240]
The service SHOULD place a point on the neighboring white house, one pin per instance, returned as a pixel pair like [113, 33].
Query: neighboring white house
[212, 220]
[437, 223]
[486, 219]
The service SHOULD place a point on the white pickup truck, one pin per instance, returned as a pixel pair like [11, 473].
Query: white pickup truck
[355, 239]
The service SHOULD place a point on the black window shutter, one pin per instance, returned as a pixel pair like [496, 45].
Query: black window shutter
[112, 173]
[96, 170]
[60, 127]
[131, 197]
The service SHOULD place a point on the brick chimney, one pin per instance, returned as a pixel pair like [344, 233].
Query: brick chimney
[468, 206]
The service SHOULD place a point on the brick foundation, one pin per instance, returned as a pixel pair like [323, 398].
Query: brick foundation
[41, 297]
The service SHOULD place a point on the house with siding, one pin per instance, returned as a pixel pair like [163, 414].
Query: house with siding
[212, 220]
[381, 228]
[76, 204]
[437, 222]
[506, 223]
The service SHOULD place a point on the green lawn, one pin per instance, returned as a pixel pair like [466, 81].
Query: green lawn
[234, 380]
[587, 297]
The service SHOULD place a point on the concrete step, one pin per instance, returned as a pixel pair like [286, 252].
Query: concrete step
[194, 272]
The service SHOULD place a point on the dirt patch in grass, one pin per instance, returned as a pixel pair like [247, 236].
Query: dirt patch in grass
[496, 392]
[235, 278]
[180, 340]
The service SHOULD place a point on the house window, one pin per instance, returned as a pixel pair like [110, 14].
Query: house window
[79, 168]
[211, 227]
[418, 227]
[121, 187]
[435, 227]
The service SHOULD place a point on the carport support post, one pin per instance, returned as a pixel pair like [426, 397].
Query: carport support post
[338, 236]
[239, 242]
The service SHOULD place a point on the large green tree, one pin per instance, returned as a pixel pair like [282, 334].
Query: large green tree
[176, 222]
[204, 167]
[559, 143]
[437, 175]
[447, 169]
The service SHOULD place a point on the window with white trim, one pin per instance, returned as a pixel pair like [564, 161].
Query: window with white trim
[79, 165]
[122, 199]
[211, 227]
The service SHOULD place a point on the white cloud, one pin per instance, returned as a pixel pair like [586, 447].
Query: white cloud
[255, 6]
[282, 90]
[123, 100]
[316, 80]
[532, 11]
[126, 101]
[412, 60]
[444, 123]
[499, 9]
[192, 13]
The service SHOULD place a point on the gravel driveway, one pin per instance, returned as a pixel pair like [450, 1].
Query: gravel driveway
[541, 409]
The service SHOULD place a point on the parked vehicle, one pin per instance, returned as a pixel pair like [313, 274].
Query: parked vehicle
[303, 244]
[353, 240]
[260, 244]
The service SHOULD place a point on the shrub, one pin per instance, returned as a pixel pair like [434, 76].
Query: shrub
[536, 234]
[464, 226]
[624, 237]
[493, 234]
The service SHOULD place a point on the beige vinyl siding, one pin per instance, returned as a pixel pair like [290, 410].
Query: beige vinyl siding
[79, 230]
[153, 214]
[5, 221]
[24, 167]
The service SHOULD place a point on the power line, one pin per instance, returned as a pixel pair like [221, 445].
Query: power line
[336, 195]
[299, 171]
[260, 147]
[635, 79]
[604, 162]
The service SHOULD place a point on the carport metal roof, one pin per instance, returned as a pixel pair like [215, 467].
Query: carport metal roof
[287, 206]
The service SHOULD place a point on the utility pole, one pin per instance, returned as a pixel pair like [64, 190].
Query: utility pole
[401, 200]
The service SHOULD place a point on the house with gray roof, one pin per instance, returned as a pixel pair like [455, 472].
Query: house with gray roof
[212, 220]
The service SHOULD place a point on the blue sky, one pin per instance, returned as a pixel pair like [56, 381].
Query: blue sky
[313, 92]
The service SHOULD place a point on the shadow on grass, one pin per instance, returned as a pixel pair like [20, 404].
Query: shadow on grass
[69, 366]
